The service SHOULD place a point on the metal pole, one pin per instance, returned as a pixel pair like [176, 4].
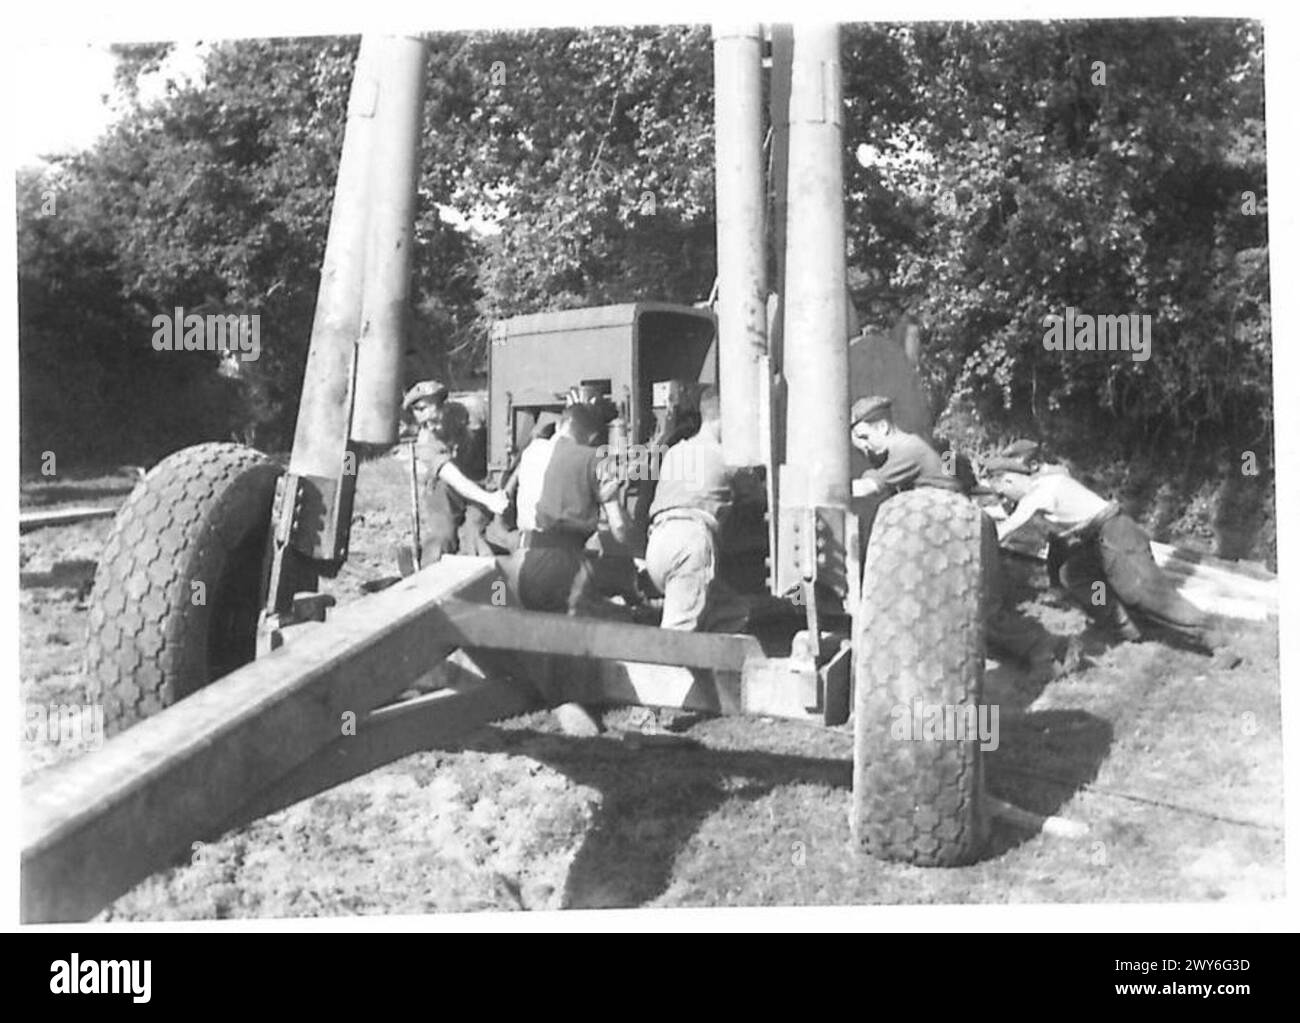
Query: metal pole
[815, 334]
[320, 437]
[417, 543]
[741, 202]
[394, 176]
[782, 55]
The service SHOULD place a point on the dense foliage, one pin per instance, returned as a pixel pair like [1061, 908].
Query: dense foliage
[994, 177]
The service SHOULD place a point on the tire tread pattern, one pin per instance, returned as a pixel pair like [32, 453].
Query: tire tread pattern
[919, 635]
[146, 643]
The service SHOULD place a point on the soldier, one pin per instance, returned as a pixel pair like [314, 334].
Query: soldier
[1023, 455]
[1103, 546]
[691, 503]
[900, 460]
[563, 483]
[1027, 457]
[442, 440]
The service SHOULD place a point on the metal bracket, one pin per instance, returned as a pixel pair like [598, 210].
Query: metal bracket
[325, 516]
[284, 520]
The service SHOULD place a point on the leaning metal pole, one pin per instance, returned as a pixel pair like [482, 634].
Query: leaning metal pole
[741, 199]
[394, 175]
[353, 376]
[366, 263]
[324, 409]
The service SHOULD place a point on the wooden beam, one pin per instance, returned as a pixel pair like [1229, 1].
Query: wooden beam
[29, 520]
[492, 627]
[661, 685]
[768, 687]
[98, 825]
[1061, 827]
[1211, 584]
[1217, 574]
[388, 734]
[1238, 569]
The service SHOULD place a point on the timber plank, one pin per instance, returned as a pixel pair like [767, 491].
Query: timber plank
[98, 825]
[29, 520]
[491, 627]
[388, 734]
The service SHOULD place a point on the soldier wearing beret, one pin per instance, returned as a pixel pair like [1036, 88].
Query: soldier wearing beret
[900, 460]
[443, 439]
[1023, 456]
[903, 461]
[1096, 542]
[1022, 448]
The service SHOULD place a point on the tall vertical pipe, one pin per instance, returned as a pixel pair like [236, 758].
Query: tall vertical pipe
[741, 202]
[782, 53]
[815, 335]
[320, 437]
[394, 176]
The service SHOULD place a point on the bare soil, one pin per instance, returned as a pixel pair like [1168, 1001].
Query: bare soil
[1174, 765]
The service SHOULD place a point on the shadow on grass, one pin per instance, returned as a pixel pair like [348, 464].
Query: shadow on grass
[654, 799]
[1043, 758]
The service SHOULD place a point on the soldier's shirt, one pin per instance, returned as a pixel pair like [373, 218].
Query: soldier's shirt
[1062, 503]
[443, 439]
[910, 462]
[562, 485]
[694, 475]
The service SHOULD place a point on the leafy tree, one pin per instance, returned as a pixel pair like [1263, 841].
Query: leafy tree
[591, 151]
[1003, 181]
[1099, 165]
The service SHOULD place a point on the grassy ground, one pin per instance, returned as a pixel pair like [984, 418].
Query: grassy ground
[1173, 764]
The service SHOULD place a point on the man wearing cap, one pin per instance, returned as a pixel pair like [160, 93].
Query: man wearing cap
[692, 501]
[443, 437]
[1106, 562]
[903, 461]
[900, 460]
[1022, 456]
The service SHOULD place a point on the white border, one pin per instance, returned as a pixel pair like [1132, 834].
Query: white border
[165, 19]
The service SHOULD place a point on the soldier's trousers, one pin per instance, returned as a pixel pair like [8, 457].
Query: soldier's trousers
[560, 577]
[1119, 557]
[681, 558]
[452, 525]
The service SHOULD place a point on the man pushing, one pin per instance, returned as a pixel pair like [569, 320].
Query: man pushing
[1103, 557]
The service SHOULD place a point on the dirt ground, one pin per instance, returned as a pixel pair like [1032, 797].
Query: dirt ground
[1174, 765]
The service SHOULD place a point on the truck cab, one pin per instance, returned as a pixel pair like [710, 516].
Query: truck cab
[646, 358]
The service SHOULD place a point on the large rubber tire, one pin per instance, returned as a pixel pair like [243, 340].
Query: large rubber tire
[155, 636]
[919, 635]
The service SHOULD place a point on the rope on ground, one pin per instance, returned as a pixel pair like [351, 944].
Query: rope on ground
[1147, 800]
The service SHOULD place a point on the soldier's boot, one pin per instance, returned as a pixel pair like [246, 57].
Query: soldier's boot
[1123, 622]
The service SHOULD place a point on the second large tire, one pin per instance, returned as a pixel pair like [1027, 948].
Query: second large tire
[176, 593]
[919, 637]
